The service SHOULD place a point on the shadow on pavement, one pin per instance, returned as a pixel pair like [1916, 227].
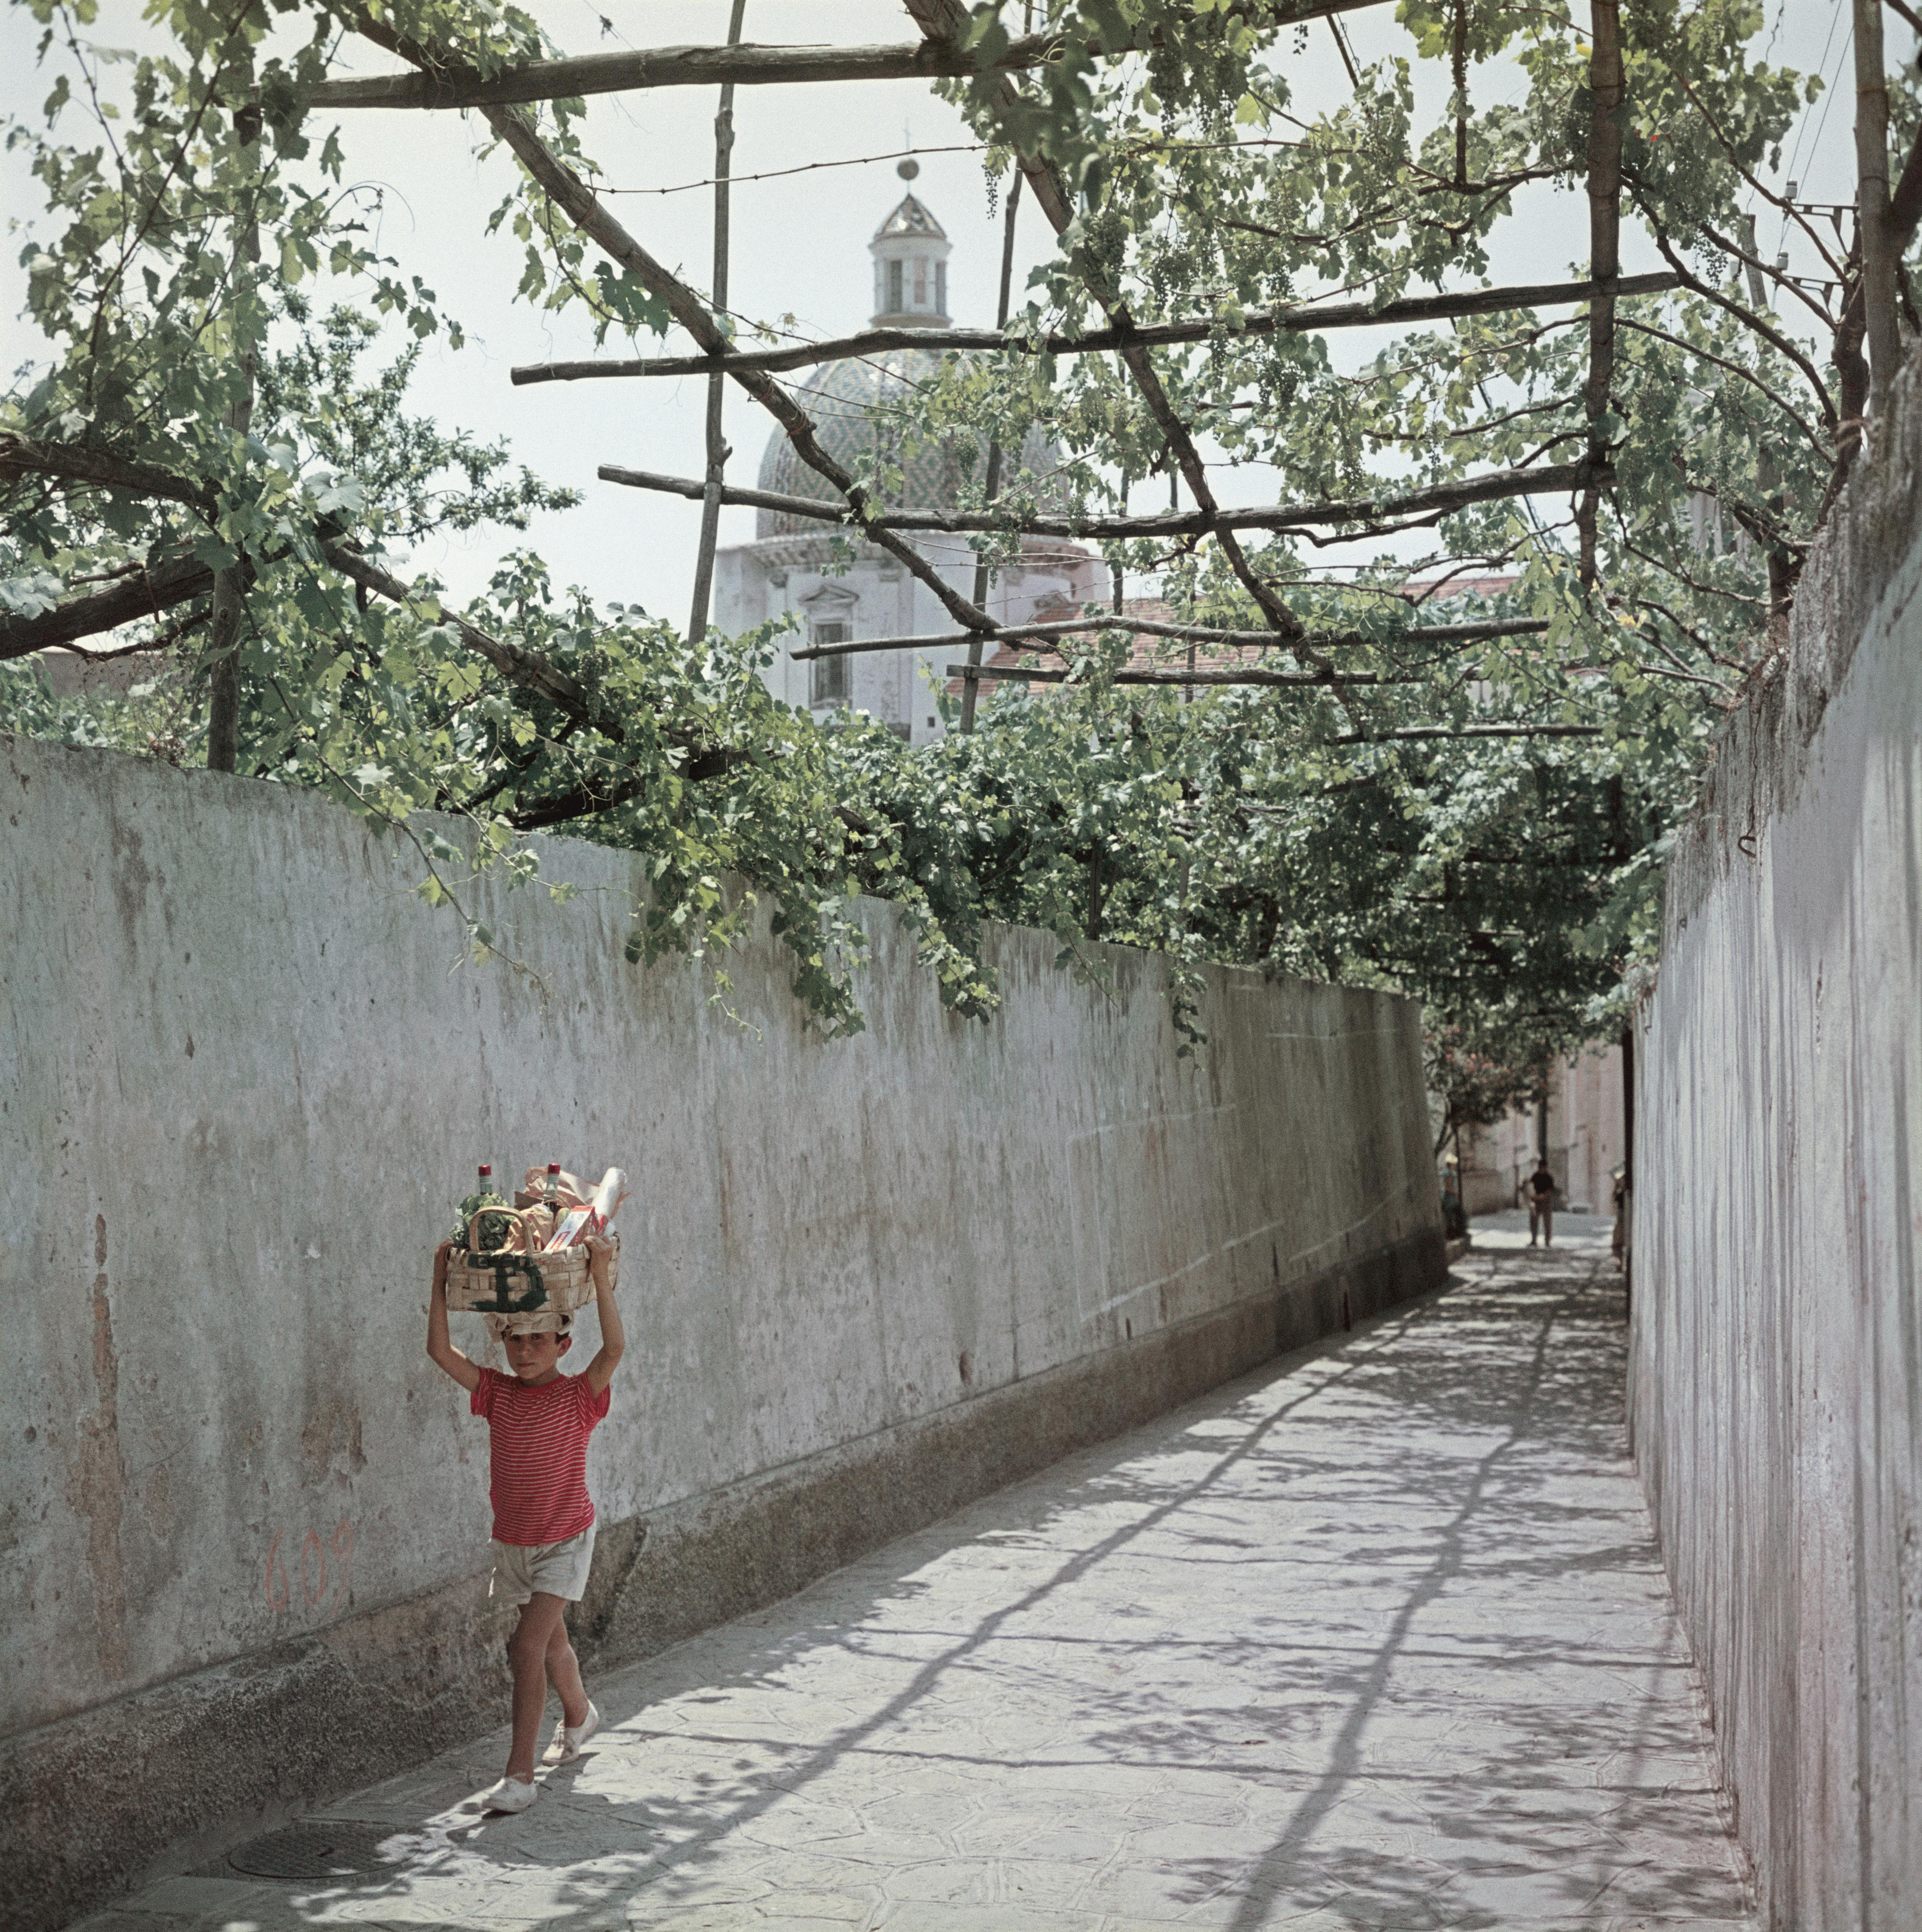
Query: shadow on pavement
[1376, 1638]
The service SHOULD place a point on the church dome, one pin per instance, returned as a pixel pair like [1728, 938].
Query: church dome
[853, 405]
[854, 402]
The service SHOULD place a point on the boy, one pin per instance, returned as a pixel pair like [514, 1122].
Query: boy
[538, 1421]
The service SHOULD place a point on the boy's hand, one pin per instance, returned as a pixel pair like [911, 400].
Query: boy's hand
[442, 1254]
[600, 1261]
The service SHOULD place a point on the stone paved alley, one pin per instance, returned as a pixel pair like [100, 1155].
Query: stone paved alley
[1375, 1638]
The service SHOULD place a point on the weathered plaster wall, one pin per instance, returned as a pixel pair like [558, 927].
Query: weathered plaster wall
[243, 1521]
[1776, 1370]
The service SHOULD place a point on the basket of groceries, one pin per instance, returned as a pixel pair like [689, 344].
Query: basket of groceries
[530, 1256]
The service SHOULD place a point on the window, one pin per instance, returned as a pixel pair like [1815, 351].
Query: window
[894, 288]
[941, 287]
[920, 281]
[828, 678]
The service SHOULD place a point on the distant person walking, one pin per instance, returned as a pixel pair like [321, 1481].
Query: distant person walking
[1539, 1191]
[1618, 1241]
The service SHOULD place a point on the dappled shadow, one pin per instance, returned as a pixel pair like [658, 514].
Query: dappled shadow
[1379, 1632]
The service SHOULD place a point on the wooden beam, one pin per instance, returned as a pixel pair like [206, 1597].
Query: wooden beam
[1046, 637]
[447, 84]
[631, 69]
[1412, 734]
[1180, 677]
[1434, 500]
[1304, 320]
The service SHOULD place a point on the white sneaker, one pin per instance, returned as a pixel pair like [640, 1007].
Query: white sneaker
[510, 1794]
[568, 1738]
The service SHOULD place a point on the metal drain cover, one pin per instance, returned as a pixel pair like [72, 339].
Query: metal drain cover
[325, 1848]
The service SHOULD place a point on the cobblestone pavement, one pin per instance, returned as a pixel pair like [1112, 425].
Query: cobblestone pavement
[1376, 1638]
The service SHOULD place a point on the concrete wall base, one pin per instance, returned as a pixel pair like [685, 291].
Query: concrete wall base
[183, 1771]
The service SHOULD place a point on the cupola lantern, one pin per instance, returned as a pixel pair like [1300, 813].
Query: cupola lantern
[911, 251]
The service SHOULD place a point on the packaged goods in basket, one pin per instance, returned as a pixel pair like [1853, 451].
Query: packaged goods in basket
[515, 1261]
[592, 1216]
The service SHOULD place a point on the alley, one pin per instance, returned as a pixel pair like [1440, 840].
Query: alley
[1376, 1638]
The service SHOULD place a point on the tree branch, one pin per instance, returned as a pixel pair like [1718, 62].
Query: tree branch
[157, 587]
[1771, 335]
[101, 469]
[1734, 369]
[523, 668]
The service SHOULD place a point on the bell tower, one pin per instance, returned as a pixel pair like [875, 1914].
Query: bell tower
[911, 251]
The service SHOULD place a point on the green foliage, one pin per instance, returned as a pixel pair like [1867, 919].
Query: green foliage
[1479, 1084]
[1512, 883]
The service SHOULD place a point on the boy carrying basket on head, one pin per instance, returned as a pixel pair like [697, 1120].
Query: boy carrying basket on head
[538, 1421]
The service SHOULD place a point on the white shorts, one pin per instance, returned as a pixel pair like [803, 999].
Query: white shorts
[557, 1569]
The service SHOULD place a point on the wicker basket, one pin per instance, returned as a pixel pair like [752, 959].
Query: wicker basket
[504, 1281]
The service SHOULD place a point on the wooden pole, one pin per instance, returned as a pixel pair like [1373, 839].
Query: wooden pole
[1871, 174]
[1768, 476]
[970, 682]
[1117, 580]
[1606, 89]
[718, 452]
[1628, 1165]
[229, 603]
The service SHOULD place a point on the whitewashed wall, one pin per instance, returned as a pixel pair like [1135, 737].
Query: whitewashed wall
[245, 1079]
[1776, 1389]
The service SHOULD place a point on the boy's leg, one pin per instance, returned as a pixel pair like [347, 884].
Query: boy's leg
[527, 1653]
[564, 1673]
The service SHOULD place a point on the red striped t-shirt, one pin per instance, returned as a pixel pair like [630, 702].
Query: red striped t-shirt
[537, 1474]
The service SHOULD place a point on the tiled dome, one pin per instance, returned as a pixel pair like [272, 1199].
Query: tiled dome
[849, 402]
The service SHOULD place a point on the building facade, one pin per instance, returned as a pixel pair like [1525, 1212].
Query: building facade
[1585, 1140]
[835, 588]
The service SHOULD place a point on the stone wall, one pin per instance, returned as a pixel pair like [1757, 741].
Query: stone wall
[243, 1520]
[1775, 1391]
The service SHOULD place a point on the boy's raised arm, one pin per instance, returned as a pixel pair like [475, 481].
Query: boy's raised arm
[613, 1341]
[440, 1349]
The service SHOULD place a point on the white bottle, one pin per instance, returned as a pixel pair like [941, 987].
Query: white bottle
[606, 1198]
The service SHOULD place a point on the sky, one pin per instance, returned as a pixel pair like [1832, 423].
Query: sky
[799, 248]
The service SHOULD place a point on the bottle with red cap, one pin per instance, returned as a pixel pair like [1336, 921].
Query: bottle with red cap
[493, 1229]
